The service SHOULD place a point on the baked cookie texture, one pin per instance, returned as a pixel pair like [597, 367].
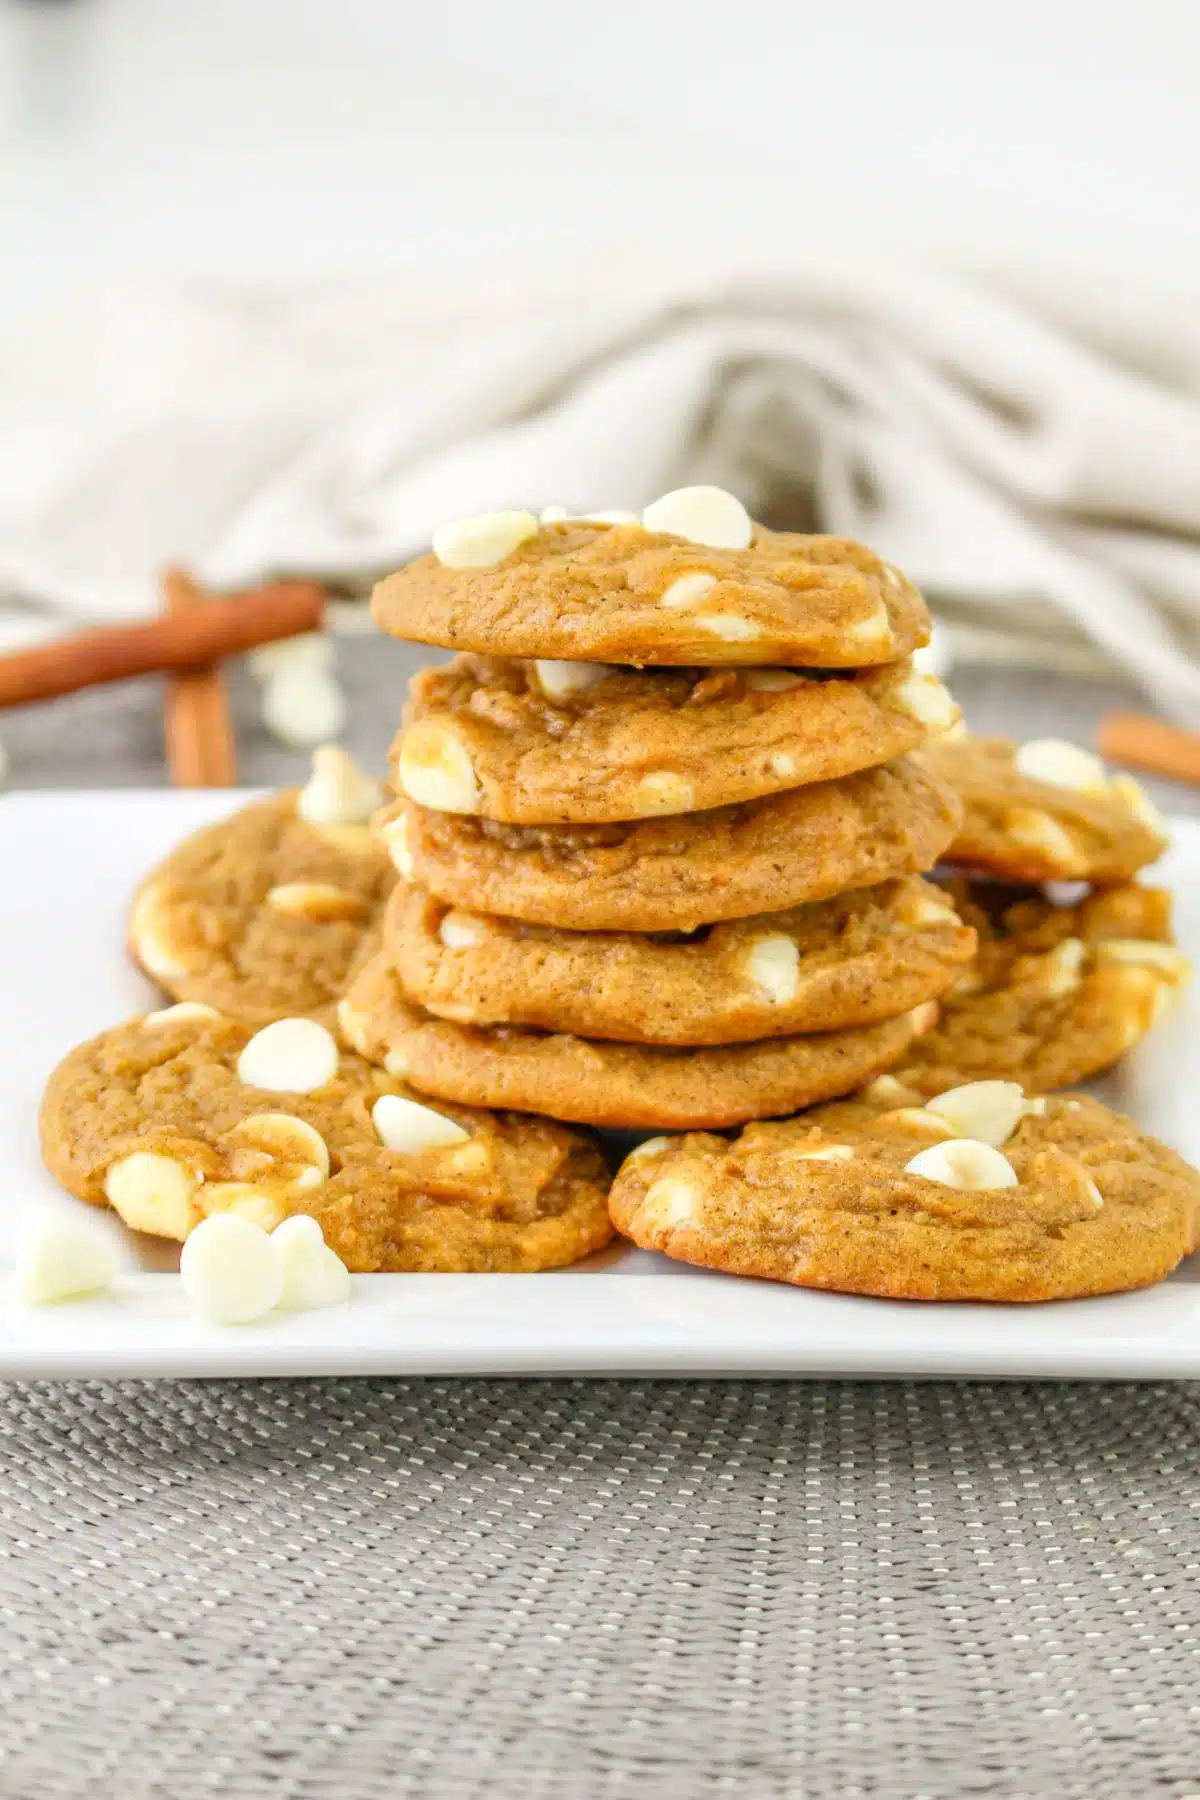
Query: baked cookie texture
[262, 915]
[605, 1083]
[621, 594]
[906, 1205]
[855, 959]
[683, 870]
[546, 742]
[153, 1119]
[1056, 992]
[1023, 826]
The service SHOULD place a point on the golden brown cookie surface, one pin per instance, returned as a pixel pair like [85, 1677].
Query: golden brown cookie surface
[154, 1119]
[1045, 811]
[855, 959]
[605, 1083]
[540, 742]
[1056, 992]
[621, 594]
[679, 871]
[833, 1200]
[263, 914]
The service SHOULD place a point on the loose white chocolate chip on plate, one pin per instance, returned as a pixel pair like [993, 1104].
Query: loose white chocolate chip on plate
[703, 515]
[153, 1192]
[319, 901]
[61, 1258]
[309, 650]
[337, 792]
[988, 1111]
[408, 1126]
[668, 1202]
[231, 1270]
[687, 588]
[482, 542]
[435, 768]
[293, 1056]
[180, 1014]
[965, 1164]
[559, 680]
[303, 706]
[313, 1274]
[1061, 764]
[772, 963]
[664, 792]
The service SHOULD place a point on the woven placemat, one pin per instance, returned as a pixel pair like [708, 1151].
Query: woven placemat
[559, 1590]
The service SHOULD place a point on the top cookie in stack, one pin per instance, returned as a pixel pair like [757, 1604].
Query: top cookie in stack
[661, 826]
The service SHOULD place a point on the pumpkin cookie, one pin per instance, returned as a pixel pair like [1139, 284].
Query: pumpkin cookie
[540, 742]
[181, 1114]
[1056, 992]
[856, 959]
[1045, 811]
[992, 1197]
[682, 870]
[269, 912]
[654, 593]
[606, 1083]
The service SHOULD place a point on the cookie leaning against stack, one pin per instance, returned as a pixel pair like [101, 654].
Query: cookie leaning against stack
[676, 887]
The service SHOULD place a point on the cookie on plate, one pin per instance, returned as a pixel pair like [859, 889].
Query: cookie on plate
[855, 959]
[183, 1113]
[606, 1083]
[1056, 993]
[694, 582]
[682, 870]
[1045, 811]
[990, 1197]
[269, 912]
[545, 742]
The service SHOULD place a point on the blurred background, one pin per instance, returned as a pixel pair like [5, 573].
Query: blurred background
[283, 283]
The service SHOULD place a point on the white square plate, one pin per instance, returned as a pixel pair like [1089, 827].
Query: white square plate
[70, 862]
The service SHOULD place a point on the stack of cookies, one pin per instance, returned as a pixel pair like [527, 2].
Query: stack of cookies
[660, 824]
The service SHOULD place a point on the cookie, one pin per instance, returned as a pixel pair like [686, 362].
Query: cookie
[995, 1198]
[605, 1083]
[855, 959]
[545, 742]
[1045, 811]
[181, 1114]
[623, 593]
[682, 870]
[1056, 992]
[269, 912]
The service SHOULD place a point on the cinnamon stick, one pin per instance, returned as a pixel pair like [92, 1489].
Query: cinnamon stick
[200, 744]
[1146, 743]
[183, 640]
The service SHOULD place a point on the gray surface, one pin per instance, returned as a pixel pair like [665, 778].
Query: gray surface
[559, 1591]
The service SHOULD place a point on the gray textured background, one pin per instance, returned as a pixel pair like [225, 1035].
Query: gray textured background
[474, 1590]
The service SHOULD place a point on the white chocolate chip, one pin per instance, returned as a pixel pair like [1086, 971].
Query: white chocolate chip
[290, 1056]
[928, 909]
[243, 1198]
[687, 588]
[553, 515]
[885, 1090]
[458, 931]
[669, 1202]
[615, 515]
[59, 1257]
[664, 792]
[308, 650]
[1060, 971]
[152, 942]
[772, 963]
[408, 1126]
[1036, 830]
[1140, 804]
[988, 1111]
[353, 1027]
[703, 515]
[830, 1153]
[923, 698]
[919, 1118]
[875, 628]
[965, 1164]
[319, 901]
[651, 1147]
[559, 680]
[482, 542]
[153, 1192]
[396, 1063]
[1145, 954]
[279, 1145]
[923, 1018]
[892, 576]
[1062, 764]
[185, 1011]
[435, 768]
[395, 840]
[313, 1274]
[772, 681]
[231, 1270]
[729, 626]
[782, 764]
[337, 792]
[303, 706]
